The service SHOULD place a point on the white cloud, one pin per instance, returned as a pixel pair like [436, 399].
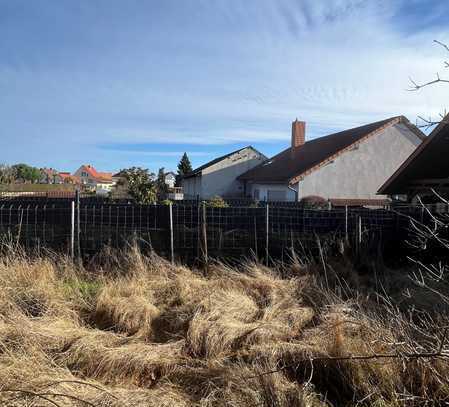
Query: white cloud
[234, 72]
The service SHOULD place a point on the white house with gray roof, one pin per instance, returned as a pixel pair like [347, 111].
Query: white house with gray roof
[219, 176]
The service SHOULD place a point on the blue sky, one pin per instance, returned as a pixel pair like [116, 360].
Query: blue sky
[122, 83]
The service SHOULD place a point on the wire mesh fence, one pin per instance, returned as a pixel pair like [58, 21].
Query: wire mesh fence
[194, 231]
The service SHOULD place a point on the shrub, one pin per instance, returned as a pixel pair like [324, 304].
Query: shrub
[314, 202]
[217, 202]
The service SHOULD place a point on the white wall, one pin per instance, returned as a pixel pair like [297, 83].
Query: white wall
[360, 172]
[221, 178]
[191, 187]
[85, 177]
[170, 180]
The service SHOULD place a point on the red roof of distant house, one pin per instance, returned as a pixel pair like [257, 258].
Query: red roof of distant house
[100, 176]
[49, 171]
[66, 176]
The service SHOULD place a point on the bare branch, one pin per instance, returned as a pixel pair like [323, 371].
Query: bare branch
[415, 86]
[438, 354]
[445, 46]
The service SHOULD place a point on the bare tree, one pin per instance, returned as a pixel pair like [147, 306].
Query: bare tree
[7, 174]
[430, 234]
[422, 121]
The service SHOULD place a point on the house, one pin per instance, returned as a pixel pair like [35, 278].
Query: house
[425, 169]
[67, 178]
[48, 176]
[52, 176]
[219, 176]
[345, 167]
[170, 179]
[100, 182]
[174, 193]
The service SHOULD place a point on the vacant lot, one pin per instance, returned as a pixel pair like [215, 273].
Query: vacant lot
[140, 332]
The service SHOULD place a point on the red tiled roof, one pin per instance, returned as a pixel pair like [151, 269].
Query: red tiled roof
[100, 176]
[67, 176]
[49, 171]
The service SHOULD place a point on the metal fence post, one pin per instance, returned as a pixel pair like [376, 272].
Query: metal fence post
[72, 230]
[346, 223]
[267, 233]
[255, 236]
[172, 248]
[78, 224]
[360, 230]
[206, 259]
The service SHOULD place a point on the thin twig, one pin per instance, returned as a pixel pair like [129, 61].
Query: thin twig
[405, 355]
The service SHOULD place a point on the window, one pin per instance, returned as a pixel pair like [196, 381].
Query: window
[84, 174]
[276, 195]
[256, 194]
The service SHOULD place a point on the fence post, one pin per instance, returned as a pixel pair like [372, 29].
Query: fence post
[78, 224]
[267, 234]
[172, 248]
[206, 259]
[20, 224]
[198, 227]
[255, 236]
[360, 230]
[72, 230]
[346, 223]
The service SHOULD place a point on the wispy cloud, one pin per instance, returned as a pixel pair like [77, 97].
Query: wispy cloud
[74, 77]
[141, 151]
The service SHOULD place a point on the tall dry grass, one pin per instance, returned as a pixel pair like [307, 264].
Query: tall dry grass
[139, 331]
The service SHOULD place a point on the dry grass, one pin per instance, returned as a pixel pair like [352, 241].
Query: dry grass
[139, 331]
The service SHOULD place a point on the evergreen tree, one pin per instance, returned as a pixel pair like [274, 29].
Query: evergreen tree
[184, 167]
[161, 185]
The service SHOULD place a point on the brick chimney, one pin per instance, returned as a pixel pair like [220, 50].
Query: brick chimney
[298, 134]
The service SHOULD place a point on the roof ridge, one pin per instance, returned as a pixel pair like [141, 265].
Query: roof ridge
[222, 157]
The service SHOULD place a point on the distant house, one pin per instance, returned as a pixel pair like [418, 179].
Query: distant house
[345, 167]
[52, 176]
[219, 176]
[425, 169]
[67, 178]
[100, 182]
[48, 176]
[170, 179]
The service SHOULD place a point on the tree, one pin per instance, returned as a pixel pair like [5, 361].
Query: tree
[429, 122]
[184, 167]
[26, 173]
[161, 185]
[7, 174]
[140, 183]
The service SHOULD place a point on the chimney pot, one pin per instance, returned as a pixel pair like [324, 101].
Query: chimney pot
[298, 134]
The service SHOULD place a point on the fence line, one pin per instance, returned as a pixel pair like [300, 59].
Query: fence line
[194, 231]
